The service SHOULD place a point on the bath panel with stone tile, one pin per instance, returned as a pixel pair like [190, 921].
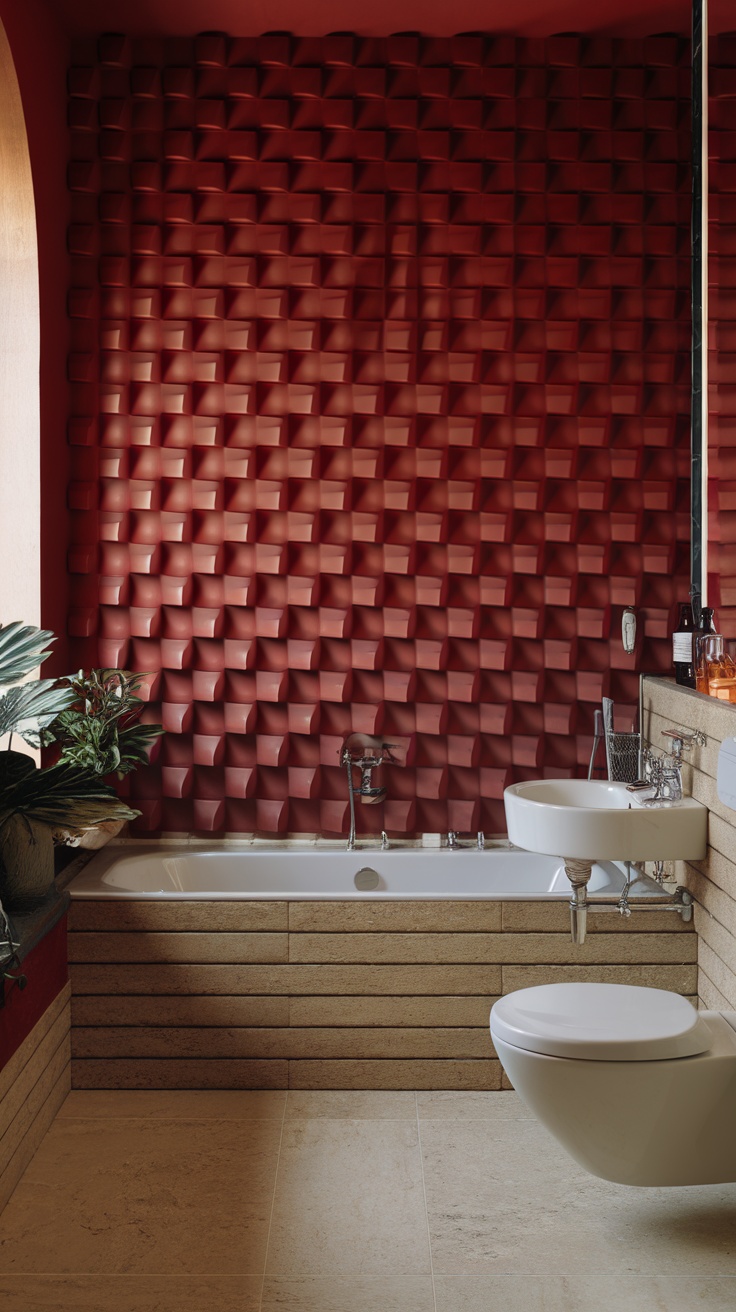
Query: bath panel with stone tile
[95, 1011]
[439, 917]
[146, 946]
[329, 994]
[391, 1013]
[175, 1073]
[110, 916]
[386, 1074]
[292, 1044]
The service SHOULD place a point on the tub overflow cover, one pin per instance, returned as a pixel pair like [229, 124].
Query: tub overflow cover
[366, 879]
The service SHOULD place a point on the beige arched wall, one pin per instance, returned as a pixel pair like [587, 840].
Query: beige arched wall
[20, 491]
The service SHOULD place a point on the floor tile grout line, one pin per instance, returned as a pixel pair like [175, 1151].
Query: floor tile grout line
[178, 1120]
[273, 1202]
[426, 1208]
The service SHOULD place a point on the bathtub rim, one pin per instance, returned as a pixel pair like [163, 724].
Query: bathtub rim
[104, 859]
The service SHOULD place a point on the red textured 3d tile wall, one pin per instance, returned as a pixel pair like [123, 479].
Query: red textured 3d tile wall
[722, 333]
[380, 407]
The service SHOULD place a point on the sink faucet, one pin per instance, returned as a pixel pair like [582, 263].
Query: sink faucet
[664, 780]
[362, 752]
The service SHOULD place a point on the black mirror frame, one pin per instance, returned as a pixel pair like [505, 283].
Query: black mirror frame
[699, 249]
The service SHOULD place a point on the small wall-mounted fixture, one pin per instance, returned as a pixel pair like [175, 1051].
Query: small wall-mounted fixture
[628, 630]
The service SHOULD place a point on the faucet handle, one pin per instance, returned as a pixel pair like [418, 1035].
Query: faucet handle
[453, 839]
[677, 742]
[366, 749]
[682, 741]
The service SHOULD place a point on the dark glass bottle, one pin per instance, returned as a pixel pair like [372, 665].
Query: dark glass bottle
[682, 647]
[706, 627]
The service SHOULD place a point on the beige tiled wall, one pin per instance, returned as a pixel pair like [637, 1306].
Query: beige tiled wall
[33, 1085]
[329, 994]
[712, 881]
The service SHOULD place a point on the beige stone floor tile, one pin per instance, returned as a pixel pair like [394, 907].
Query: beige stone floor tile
[349, 1201]
[351, 1104]
[454, 1106]
[503, 1197]
[144, 1196]
[313, 1294]
[604, 1293]
[108, 1293]
[175, 1104]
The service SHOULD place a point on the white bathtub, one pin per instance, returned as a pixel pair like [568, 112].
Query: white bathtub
[321, 874]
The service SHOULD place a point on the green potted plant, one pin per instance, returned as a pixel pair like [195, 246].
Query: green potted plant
[34, 802]
[100, 732]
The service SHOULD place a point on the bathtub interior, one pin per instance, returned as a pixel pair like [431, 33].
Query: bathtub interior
[311, 873]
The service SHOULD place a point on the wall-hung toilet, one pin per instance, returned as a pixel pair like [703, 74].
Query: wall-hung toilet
[638, 1086]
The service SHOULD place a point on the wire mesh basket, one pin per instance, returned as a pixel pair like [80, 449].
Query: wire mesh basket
[622, 756]
[622, 752]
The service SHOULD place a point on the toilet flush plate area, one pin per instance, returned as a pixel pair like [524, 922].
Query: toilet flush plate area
[594, 820]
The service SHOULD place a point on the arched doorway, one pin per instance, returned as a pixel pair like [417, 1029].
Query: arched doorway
[20, 507]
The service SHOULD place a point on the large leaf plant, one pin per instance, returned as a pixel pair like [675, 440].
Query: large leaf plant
[62, 796]
[100, 731]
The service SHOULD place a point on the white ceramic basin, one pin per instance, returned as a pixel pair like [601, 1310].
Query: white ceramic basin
[592, 820]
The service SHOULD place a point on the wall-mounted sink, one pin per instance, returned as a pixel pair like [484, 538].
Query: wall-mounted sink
[592, 820]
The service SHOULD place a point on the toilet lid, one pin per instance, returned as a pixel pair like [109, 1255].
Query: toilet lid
[600, 1022]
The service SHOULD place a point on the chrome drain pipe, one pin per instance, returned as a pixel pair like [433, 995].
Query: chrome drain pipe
[578, 872]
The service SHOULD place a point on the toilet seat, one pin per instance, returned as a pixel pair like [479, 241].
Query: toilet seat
[600, 1022]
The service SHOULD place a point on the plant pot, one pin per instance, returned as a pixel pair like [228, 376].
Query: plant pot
[99, 835]
[26, 864]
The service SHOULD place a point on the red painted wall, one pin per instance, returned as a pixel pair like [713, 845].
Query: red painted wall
[41, 54]
[535, 18]
[46, 972]
[381, 407]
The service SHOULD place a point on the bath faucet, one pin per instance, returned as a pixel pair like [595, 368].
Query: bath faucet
[364, 753]
[454, 842]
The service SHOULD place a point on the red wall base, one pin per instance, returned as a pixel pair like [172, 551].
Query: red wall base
[46, 971]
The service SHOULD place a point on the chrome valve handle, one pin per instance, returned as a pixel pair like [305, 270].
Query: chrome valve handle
[682, 741]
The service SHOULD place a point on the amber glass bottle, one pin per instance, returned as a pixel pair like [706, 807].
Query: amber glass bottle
[705, 629]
